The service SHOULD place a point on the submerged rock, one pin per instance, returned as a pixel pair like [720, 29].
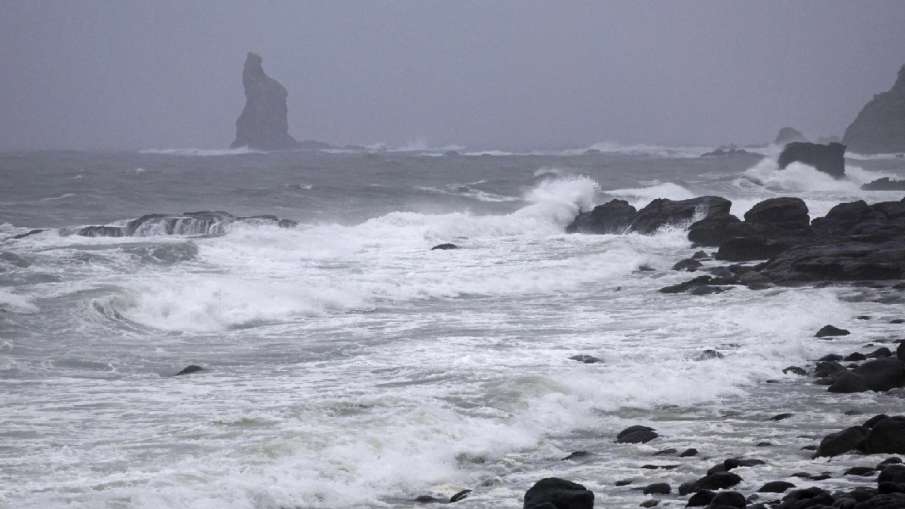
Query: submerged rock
[188, 370]
[205, 222]
[444, 247]
[829, 159]
[880, 126]
[263, 123]
[555, 493]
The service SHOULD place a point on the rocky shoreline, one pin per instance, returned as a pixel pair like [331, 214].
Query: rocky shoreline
[854, 244]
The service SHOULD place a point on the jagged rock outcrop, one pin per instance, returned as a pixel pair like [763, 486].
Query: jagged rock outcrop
[617, 216]
[880, 126]
[263, 124]
[829, 159]
[788, 135]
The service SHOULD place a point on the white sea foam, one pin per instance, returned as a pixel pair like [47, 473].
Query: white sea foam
[641, 196]
[16, 303]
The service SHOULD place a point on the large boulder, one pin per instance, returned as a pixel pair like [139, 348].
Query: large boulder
[615, 216]
[882, 374]
[554, 493]
[780, 214]
[880, 126]
[263, 123]
[842, 442]
[788, 135]
[664, 212]
[886, 436]
[715, 229]
[829, 159]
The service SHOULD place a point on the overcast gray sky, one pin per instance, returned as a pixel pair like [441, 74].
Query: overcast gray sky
[167, 73]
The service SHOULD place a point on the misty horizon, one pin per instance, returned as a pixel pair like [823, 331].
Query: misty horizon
[91, 75]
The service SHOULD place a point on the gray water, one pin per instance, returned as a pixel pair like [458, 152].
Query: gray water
[347, 365]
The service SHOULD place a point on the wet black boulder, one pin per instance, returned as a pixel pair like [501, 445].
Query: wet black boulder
[555, 493]
[636, 435]
[831, 331]
[849, 439]
[614, 216]
[886, 436]
[663, 212]
[188, 370]
[882, 374]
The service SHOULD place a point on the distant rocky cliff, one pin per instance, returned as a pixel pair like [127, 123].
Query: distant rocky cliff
[880, 127]
[262, 124]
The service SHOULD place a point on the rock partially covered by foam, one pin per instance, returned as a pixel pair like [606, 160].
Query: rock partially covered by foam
[829, 159]
[188, 223]
[263, 124]
[617, 216]
[880, 126]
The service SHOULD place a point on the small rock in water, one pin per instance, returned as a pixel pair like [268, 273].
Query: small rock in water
[650, 503]
[833, 357]
[780, 417]
[700, 255]
[688, 264]
[586, 359]
[660, 488]
[576, 455]
[558, 493]
[688, 453]
[636, 434]
[848, 383]
[862, 317]
[459, 496]
[855, 357]
[897, 321]
[764, 444]
[861, 471]
[444, 247]
[830, 331]
[776, 487]
[427, 499]
[665, 452]
[188, 370]
[880, 353]
[624, 482]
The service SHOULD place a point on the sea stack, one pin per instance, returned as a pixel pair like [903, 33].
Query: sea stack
[880, 127]
[828, 158]
[262, 124]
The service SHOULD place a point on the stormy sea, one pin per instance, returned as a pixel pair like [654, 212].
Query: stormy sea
[345, 363]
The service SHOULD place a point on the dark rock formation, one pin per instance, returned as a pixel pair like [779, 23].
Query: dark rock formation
[882, 374]
[585, 359]
[554, 493]
[829, 159]
[880, 126]
[776, 487]
[884, 184]
[615, 216]
[842, 442]
[663, 212]
[788, 135]
[444, 247]
[636, 434]
[188, 370]
[829, 330]
[714, 481]
[727, 499]
[263, 124]
[660, 488]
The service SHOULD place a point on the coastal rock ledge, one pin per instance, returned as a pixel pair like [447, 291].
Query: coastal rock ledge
[263, 124]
